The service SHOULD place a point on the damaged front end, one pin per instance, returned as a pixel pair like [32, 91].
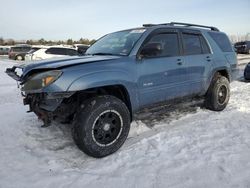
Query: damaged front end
[46, 105]
[51, 106]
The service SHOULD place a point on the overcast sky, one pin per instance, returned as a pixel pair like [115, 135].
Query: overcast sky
[63, 19]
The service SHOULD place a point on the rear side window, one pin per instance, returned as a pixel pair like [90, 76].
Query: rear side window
[61, 51]
[20, 49]
[222, 41]
[55, 51]
[192, 44]
[16, 49]
[205, 47]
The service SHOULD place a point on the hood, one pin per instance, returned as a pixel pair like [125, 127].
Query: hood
[65, 62]
[55, 64]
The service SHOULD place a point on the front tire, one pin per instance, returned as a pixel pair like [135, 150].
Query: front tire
[101, 126]
[218, 94]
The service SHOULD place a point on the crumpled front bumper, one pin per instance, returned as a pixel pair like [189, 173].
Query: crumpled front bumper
[47, 106]
[46, 101]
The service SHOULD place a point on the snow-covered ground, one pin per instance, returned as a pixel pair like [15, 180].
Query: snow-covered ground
[199, 148]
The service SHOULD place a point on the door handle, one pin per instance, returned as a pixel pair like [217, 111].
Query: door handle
[208, 58]
[179, 62]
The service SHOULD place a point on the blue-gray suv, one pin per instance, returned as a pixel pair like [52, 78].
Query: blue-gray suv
[125, 72]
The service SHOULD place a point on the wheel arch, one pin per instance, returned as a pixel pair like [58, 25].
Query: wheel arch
[116, 90]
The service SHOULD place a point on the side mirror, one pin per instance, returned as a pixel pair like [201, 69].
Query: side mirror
[151, 49]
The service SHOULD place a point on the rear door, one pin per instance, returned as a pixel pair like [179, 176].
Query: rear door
[198, 58]
[162, 76]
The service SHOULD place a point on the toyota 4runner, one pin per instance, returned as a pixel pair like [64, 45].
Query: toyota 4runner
[124, 72]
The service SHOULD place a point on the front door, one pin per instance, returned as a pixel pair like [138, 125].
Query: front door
[162, 75]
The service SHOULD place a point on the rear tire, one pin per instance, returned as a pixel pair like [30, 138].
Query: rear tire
[218, 94]
[101, 126]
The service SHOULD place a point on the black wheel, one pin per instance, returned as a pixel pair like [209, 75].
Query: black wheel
[218, 94]
[19, 58]
[101, 126]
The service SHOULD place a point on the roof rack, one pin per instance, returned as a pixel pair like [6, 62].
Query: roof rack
[183, 24]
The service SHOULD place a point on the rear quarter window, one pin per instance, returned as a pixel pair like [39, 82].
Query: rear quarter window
[222, 41]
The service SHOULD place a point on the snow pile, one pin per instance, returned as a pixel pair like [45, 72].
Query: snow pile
[200, 149]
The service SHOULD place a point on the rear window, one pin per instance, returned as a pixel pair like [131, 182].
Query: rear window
[222, 41]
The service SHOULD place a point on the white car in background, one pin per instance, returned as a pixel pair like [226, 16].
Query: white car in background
[50, 52]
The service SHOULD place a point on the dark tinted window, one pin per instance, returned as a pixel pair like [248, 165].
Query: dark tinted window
[56, 51]
[240, 43]
[222, 41]
[20, 49]
[169, 44]
[72, 52]
[82, 49]
[191, 44]
[205, 47]
[61, 51]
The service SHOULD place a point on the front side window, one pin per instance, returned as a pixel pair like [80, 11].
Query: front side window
[118, 43]
[191, 44]
[166, 42]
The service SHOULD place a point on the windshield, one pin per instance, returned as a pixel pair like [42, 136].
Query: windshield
[118, 43]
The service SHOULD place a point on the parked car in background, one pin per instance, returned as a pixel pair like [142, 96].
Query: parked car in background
[242, 47]
[81, 48]
[247, 72]
[18, 52]
[51, 52]
[4, 50]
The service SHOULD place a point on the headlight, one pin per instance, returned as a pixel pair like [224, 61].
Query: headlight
[40, 80]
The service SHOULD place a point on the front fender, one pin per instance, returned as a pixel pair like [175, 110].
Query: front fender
[108, 78]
